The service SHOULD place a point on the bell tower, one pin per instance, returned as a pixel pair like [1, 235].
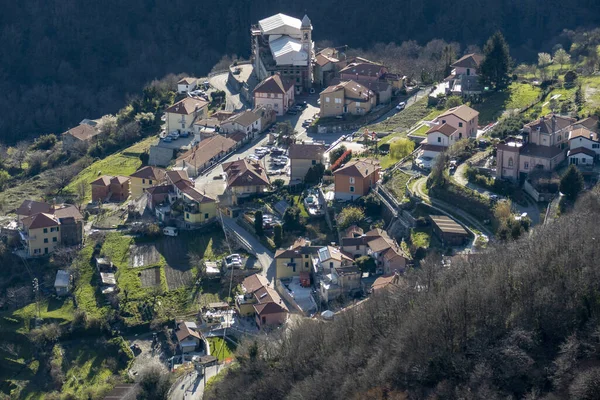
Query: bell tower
[307, 46]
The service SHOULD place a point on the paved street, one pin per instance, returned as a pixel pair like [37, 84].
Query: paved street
[191, 386]
[233, 101]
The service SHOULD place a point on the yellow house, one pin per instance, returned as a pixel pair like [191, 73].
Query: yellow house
[245, 302]
[182, 115]
[41, 233]
[303, 157]
[347, 97]
[295, 259]
[245, 177]
[144, 178]
[198, 207]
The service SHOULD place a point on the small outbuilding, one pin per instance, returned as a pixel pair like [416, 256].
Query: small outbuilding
[62, 282]
[450, 232]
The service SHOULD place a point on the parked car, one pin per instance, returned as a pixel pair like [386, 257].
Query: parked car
[184, 134]
[401, 106]
[233, 261]
[170, 231]
[424, 162]
[167, 139]
[319, 102]
[339, 117]
[307, 122]
[292, 111]
[174, 135]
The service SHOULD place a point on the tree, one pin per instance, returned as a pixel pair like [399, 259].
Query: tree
[82, 190]
[4, 178]
[579, 98]
[336, 153]
[350, 216]
[544, 59]
[35, 161]
[19, 153]
[570, 78]
[45, 142]
[314, 174]
[292, 220]
[562, 58]
[62, 176]
[278, 235]
[401, 148]
[258, 223]
[496, 62]
[571, 183]
[366, 264]
[453, 101]
[371, 203]
[154, 382]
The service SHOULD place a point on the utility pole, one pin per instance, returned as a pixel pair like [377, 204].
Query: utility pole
[36, 290]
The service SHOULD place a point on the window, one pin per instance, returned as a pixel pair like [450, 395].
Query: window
[443, 121]
[187, 215]
[206, 216]
[297, 80]
[36, 251]
[352, 189]
[357, 247]
[460, 124]
[582, 160]
[331, 264]
[510, 162]
[54, 239]
[45, 230]
[439, 139]
[150, 181]
[51, 229]
[526, 165]
[559, 138]
[314, 162]
[338, 101]
[143, 181]
[306, 256]
[291, 260]
[595, 146]
[57, 228]
[306, 265]
[326, 99]
[45, 240]
[352, 179]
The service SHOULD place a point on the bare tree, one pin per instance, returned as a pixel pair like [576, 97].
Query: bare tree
[62, 176]
[82, 190]
[19, 153]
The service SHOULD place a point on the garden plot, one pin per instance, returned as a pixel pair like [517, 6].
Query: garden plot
[150, 277]
[143, 255]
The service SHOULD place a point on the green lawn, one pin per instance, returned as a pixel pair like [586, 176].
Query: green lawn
[220, 348]
[516, 96]
[591, 90]
[422, 131]
[298, 202]
[404, 120]
[124, 162]
[397, 185]
[420, 237]
[86, 293]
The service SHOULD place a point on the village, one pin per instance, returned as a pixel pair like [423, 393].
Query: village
[293, 198]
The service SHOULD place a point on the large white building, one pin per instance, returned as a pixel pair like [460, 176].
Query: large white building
[284, 44]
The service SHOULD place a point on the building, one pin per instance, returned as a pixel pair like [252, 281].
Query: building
[330, 257]
[275, 93]
[347, 97]
[186, 84]
[356, 178]
[464, 77]
[283, 45]
[62, 283]
[43, 232]
[29, 208]
[198, 208]
[188, 336]
[246, 121]
[144, 178]
[386, 282]
[110, 188]
[180, 117]
[542, 146]
[448, 231]
[584, 147]
[295, 259]
[463, 118]
[262, 302]
[363, 70]
[324, 67]
[205, 154]
[245, 177]
[303, 157]
[341, 282]
[267, 117]
[82, 135]
[387, 254]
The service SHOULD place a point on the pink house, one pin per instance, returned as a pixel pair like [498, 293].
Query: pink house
[463, 118]
[275, 93]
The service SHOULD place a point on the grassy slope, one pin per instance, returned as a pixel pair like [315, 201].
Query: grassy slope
[397, 185]
[518, 95]
[405, 119]
[220, 348]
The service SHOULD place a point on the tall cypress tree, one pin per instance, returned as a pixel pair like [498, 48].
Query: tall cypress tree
[496, 63]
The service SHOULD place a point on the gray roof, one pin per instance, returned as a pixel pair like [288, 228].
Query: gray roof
[62, 278]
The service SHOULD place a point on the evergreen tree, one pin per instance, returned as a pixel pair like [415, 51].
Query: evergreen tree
[258, 223]
[277, 235]
[571, 184]
[496, 63]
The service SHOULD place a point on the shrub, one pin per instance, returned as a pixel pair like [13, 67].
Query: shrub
[347, 155]
[45, 142]
[350, 216]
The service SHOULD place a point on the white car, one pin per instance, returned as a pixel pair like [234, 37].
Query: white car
[401, 106]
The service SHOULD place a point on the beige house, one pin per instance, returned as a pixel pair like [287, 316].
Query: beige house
[275, 93]
[463, 118]
[144, 178]
[348, 97]
[205, 154]
[325, 63]
[82, 134]
[181, 115]
[295, 259]
[246, 121]
[244, 178]
[303, 157]
[261, 301]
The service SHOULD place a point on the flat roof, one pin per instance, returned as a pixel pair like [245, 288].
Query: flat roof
[447, 224]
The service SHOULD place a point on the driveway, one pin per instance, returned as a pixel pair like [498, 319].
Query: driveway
[233, 100]
[264, 256]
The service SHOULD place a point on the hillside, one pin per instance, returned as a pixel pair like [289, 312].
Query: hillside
[520, 321]
[65, 61]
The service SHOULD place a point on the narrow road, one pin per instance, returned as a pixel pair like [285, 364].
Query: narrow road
[233, 100]
[264, 256]
[418, 188]
[191, 386]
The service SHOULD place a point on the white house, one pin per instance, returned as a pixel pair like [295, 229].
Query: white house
[181, 115]
[188, 336]
[330, 257]
[246, 121]
[584, 147]
[463, 118]
[186, 85]
[276, 93]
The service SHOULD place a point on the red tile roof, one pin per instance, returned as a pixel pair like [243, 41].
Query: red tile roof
[41, 220]
[274, 84]
[463, 112]
[187, 106]
[245, 173]
[582, 150]
[32, 207]
[83, 132]
[444, 129]
[358, 168]
[468, 61]
[150, 172]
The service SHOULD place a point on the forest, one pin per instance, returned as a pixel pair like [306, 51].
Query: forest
[62, 61]
[520, 321]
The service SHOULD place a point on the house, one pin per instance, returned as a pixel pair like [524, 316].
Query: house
[246, 121]
[110, 188]
[463, 118]
[355, 179]
[186, 84]
[381, 88]
[330, 257]
[303, 157]
[43, 232]
[275, 93]
[144, 178]
[386, 282]
[542, 146]
[463, 79]
[157, 195]
[584, 147]
[188, 336]
[62, 283]
[324, 68]
[448, 231]
[181, 116]
[341, 282]
[245, 177]
[283, 45]
[367, 71]
[347, 97]
[205, 154]
[262, 302]
[198, 207]
[295, 259]
[267, 117]
[32, 207]
[82, 134]
[439, 138]
[387, 254]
